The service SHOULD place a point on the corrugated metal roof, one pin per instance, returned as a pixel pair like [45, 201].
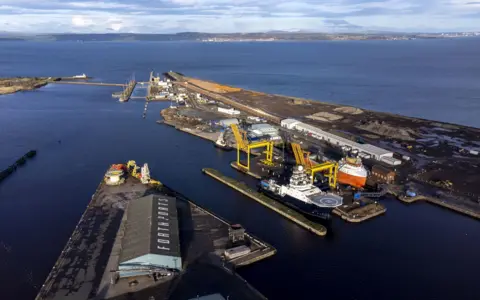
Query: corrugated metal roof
[229, 121]
[263, 126]
[151, 227]
[371, 149]
[289, 121]
[367, 148]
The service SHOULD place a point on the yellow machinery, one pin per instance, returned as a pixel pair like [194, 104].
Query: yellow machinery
[244, 145]
[134, 171]
[302, 158]
[240, 137]
[331, 168]
[133, 168]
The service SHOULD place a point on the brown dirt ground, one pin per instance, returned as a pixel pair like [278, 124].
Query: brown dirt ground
[212, 86]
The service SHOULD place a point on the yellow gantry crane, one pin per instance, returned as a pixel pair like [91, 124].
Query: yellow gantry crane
[303, 159]
[332, 170]
[244, 145]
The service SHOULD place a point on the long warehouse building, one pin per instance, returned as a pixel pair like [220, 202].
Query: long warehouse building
[150, 237]
[374, 151]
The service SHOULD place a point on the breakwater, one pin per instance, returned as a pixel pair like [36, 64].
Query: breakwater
[20, 162]
[281, 209]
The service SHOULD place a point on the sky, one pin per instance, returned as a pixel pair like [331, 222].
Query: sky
[170, 16]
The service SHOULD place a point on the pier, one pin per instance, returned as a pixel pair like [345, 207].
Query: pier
[127, 92]
[441, 203]
[234, 165]
[88, 83]
[281, 209]
[204, 237]
[20, 162]
[360, 211]
[179, 80]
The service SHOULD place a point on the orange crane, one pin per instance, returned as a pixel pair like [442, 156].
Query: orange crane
[244, 145]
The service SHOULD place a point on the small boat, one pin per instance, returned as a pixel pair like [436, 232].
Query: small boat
[221, 144]
[82, 76]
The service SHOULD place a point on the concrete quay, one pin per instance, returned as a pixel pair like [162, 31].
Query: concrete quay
[439, 202]
[212, 137]
[127, 92]
[281, 209]
[253, 111]
[84, 268]
[234, 165]
[356, 213]
[88, 83]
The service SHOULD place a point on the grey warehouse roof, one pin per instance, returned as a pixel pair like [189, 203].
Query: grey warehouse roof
[151, 227]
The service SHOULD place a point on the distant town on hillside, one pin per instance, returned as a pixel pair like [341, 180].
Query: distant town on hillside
[230, 37]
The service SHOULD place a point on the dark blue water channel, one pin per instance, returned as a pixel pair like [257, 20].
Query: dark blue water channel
[413, 252]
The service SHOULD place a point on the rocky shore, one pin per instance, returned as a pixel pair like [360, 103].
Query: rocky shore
[18, 84]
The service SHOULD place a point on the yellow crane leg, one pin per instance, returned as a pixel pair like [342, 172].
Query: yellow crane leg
[332, 169]
[239, 162]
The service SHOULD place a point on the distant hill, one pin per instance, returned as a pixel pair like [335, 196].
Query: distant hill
[194, 36]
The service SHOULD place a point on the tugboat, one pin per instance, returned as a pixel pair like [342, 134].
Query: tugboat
[300, 194]
[220, 143]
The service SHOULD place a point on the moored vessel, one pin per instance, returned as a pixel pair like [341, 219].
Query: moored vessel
[352, 172]
[221, 143]
[300, 194]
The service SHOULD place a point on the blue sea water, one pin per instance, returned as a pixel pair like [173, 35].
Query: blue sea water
[413, 252]
[433, 79]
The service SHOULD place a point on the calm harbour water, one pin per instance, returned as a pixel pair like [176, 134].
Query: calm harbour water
[413, 252]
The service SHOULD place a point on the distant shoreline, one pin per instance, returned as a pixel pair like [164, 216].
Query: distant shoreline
[231, 37]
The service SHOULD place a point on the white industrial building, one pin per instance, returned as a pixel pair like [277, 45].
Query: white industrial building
[264, 130]
[228, 111]
[364, 150]
[227, 122]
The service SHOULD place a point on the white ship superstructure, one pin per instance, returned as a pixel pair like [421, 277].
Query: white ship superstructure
[299, 189]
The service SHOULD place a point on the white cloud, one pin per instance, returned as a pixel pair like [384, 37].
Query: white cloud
[81, 21]
[234, 15]
[100, 5]
[116, 26]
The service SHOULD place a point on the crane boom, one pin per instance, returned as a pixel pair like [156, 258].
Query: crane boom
[301, 157]
[240, 137]
[298, 155]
